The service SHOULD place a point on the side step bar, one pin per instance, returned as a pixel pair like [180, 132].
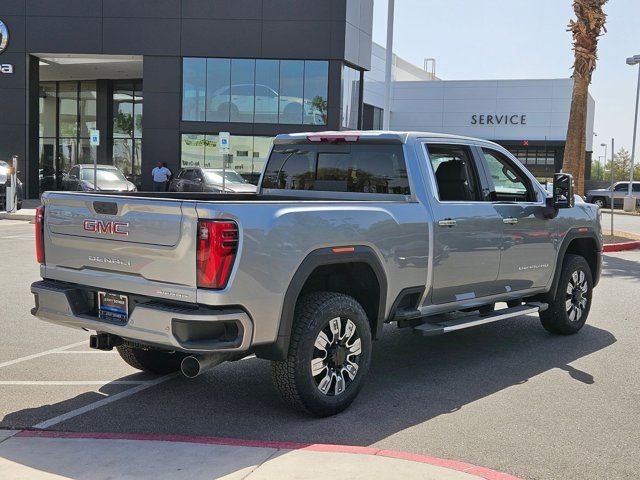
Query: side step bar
[446, 323]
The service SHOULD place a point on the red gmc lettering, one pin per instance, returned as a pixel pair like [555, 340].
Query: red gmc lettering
[102, 227]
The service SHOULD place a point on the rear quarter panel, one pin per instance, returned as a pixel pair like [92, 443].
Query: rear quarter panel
[277, 237]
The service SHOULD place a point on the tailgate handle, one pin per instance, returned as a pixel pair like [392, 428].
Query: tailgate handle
[106, 208]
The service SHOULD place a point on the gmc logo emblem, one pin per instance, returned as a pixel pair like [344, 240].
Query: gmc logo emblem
[105, 227]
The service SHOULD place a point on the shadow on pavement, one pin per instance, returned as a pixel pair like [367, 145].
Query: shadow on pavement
[412, 379]
[620, 268]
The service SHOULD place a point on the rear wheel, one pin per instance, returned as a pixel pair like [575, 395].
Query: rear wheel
[329, 354]
[151, 361]
[569, 309]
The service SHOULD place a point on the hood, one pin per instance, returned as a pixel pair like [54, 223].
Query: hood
[111, 186]
[599, 191]
[242, 187]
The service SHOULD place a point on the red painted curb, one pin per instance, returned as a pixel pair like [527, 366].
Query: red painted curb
[619, 247]
[482, 472]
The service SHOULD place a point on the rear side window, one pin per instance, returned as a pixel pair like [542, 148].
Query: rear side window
[455, 173]
[338, 168]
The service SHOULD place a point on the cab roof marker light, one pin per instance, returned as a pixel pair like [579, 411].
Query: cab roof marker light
[333, 138]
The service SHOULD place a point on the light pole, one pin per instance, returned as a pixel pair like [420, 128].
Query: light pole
[630, 201]
[386, 114]
[605, 157]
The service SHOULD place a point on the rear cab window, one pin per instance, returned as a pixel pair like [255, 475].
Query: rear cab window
[357, 168]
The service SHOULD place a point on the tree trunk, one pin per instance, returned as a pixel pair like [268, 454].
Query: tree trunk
[575, 148]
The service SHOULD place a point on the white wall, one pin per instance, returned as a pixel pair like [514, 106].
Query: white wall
[448, 107]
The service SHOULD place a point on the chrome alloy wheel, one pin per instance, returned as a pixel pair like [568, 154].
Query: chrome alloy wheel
[576, 298]
[336, 354]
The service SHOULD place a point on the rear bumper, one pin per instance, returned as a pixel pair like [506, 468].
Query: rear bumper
[164, 325]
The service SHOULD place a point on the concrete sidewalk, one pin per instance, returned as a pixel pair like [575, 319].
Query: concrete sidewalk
[47, 455]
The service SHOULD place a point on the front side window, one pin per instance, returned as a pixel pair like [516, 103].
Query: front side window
[621, 187]
[455, 173]
[356, 168]
[510, 184]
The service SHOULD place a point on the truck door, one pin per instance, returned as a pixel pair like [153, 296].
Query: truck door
[530, 240]
[467, 230]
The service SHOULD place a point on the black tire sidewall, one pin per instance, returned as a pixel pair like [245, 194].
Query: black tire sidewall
[314, 400]
[556, 319]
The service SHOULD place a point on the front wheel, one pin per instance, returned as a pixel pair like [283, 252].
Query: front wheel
[600, 202]
[329, 354]
[569, 309]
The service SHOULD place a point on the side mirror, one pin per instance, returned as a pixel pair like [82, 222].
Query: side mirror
[563, 191]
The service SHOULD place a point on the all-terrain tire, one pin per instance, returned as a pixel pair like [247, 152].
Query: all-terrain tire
[294, 379]
[569, 307]
[151, 361]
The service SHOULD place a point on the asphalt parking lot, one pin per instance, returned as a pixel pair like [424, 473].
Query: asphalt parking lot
[508, 396]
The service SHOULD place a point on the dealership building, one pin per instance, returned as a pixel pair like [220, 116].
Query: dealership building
[160, 79]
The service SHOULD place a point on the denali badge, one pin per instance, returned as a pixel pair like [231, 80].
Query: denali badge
[109, 260]
[105, 227]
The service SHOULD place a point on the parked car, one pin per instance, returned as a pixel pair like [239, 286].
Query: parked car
[108, 177]
[602, 196]
[4, 177]
[198, 179]
[348, 231]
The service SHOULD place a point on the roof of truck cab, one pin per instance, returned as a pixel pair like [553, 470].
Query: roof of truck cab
[380, 135]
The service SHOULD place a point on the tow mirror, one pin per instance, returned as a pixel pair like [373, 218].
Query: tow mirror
[563, 190]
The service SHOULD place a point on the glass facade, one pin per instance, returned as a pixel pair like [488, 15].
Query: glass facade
[350, 98]
[539, 160]
[67, 112]
[255, 91]
[127, 128]
[249, 153]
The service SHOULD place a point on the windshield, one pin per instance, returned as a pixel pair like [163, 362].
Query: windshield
[215, 176]
[103, 175]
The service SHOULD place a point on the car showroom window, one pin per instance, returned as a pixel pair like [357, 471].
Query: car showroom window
[357, 169]
[455, 172]
[510, 184]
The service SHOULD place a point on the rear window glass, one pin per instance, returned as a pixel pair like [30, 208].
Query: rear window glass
[338, 168]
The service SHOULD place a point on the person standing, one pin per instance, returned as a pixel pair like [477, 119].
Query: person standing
[161, 176]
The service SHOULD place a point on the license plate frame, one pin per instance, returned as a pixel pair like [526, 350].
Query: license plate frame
[113, 307]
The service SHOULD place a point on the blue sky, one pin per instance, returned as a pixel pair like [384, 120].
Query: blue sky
[504, 39]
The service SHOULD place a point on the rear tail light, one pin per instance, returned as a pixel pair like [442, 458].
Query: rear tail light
[40, 234]
[217, 248]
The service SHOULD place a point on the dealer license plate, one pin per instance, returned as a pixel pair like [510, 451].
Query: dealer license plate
[113, 306]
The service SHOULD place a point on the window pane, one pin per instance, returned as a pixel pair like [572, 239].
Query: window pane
[218, 91]
[48, 175]
[137, 110]
[68, 154]
[289, 170]
[508, 182]
[47, 109]
[350, 97]
[316, 78]
[123, 155]
[455, 173]
[87, 108]
[267, 88]
[68, 115]
[86, 153]
[123, 110]
[194, 73]
[291, 90]
[192, 151]
[212, 156]
[242, 90]
[261, 146]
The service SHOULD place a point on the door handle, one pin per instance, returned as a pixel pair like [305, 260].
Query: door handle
[447, 222]
[510, 220]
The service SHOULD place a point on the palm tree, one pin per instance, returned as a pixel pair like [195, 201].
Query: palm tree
[586, 29]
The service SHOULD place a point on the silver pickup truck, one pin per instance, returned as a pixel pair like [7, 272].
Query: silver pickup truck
[348, 231]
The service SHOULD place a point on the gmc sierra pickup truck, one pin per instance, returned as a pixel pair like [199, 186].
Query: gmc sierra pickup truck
[347, 231]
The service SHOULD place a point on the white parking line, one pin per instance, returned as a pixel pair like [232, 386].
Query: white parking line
[41, 354]
[85, 351]
[73, 382]
[102, 402]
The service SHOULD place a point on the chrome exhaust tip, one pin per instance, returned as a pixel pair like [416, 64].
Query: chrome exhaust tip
[194, 365]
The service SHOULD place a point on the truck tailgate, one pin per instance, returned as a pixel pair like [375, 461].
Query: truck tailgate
[123, 244]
